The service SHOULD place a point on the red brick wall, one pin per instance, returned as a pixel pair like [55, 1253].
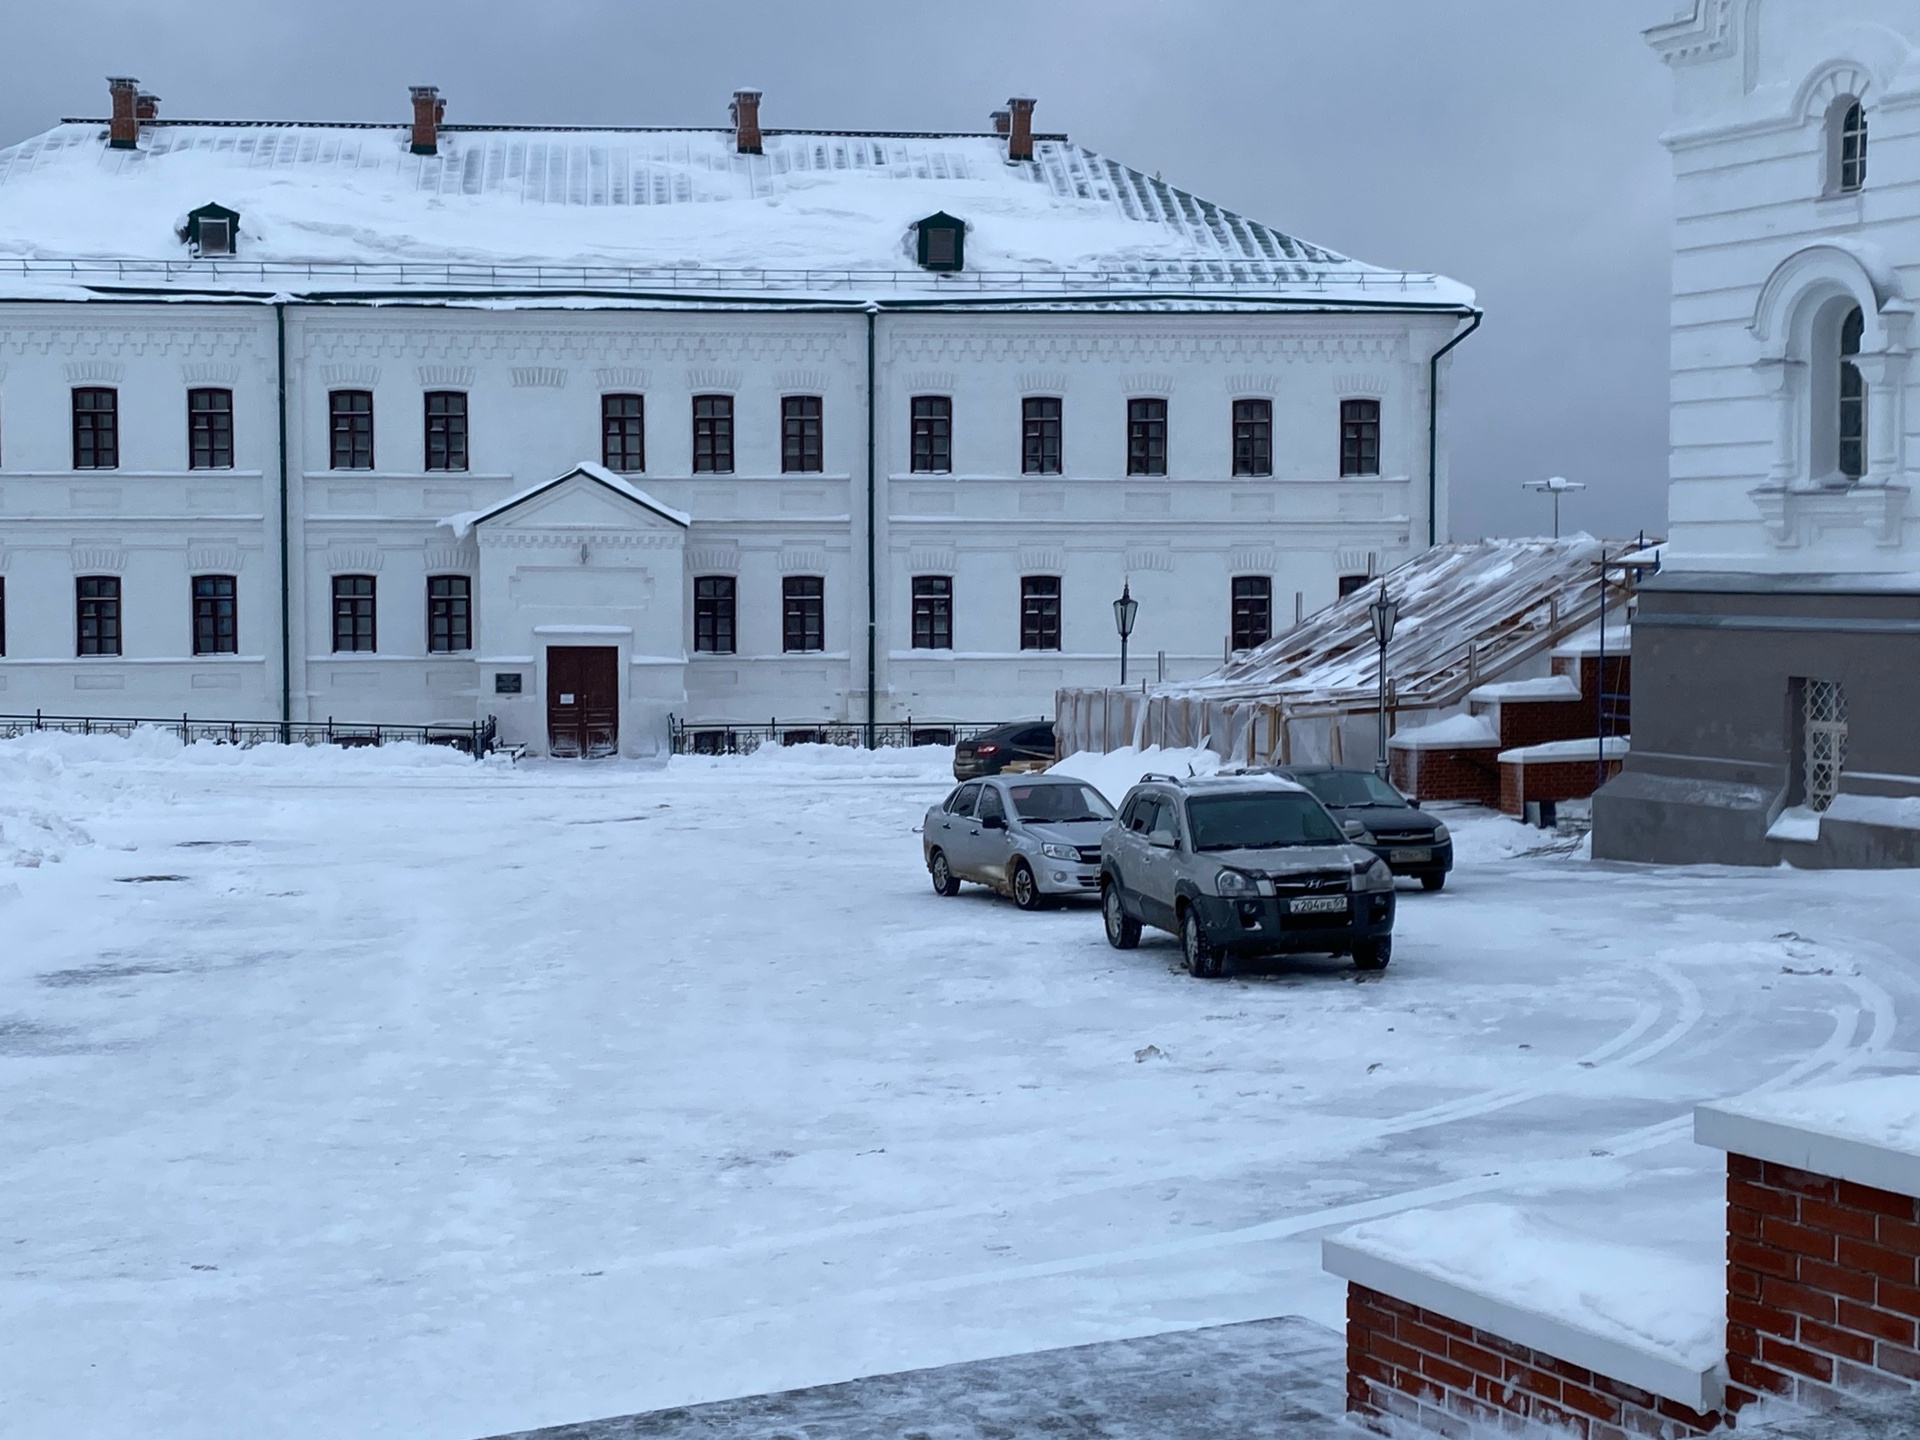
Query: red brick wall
[1409, 1362]
[1540, 722]
[1466, 774]
[1547, 780]
[1821, 1284]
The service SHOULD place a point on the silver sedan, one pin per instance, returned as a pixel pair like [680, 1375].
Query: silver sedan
[1035, 838]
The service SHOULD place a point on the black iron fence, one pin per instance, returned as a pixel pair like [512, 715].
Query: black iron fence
[478, 739]
[694, 738]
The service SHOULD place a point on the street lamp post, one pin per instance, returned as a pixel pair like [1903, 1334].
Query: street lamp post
[1384, 614]
[1557, 486]
[1124, 611]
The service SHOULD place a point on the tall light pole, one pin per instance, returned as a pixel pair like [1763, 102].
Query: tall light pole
[1559, 485]
[1125, 609]
[1384, 614]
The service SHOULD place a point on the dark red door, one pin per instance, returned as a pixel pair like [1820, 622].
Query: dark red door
[583, 700]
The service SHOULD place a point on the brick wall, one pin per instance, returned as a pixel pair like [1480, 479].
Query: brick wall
[1540, 722]
[1471, 774]
[1521, 781]
[1419, 1366]
[1822, 1291]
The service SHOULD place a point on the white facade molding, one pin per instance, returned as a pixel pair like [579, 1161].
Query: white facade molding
[1150, 557]
[1831, 82]
[1036, 560]
[714, 380]
[539, 377]
[714, 558]
[99, 557]
[1246, 560]
[1798, 518]
[621, 377]
[95, 372]
[209, 373]
[1361, 386]
[934, 560]
[1818, 272]
[1043, 382]
[214, 557]
[797, 561]
[445, 377]
[354, 557]
[791, 382]
[1252, 386]
[1144, 383]
[1358, 562]
[1706, 35]
[458, 558]
[930, 381]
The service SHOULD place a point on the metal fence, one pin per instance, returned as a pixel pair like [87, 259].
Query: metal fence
[479, 739]
[699, 739]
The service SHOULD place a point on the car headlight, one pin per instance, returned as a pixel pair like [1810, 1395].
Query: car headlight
[1441, 835]
[1237, 884]
[1374, 876]
[1061, 852]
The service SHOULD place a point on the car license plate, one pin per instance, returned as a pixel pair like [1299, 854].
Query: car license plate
[1409, 857]
[1319, 905]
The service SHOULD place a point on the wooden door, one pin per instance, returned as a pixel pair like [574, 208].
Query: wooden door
[583, 700]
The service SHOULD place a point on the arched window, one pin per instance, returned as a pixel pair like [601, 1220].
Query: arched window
[1853, 398]
[1846, 147]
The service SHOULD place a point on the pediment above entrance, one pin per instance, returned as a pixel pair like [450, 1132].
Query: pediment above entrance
[588, 500]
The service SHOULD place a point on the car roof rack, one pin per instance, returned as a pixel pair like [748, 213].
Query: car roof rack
[1154, 776]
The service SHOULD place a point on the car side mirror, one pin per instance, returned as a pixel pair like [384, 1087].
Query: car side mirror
[1354, 829]
[993, 822]
[1162, 840]
[1413, 804]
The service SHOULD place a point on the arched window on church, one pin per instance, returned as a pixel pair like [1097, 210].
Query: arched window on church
[1846, 147]
[1853, 398]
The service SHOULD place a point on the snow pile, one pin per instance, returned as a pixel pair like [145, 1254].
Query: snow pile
[1118, 771]
[1895, 812]
[1545, 687]
[1883, 1112]
[35, 808]
[1614, 747]
[1650, 1300]
[1456, 731]
[932, 764]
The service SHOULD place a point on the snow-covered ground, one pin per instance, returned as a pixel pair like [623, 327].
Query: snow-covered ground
[386, 1094]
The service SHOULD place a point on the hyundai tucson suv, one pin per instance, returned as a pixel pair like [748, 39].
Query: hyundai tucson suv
[1035, 838]
[1242, 865]
[1025, 745]
[1411, 841]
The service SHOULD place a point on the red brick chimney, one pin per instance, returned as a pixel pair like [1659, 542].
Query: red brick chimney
[1002, 121]
[428, 111]
[146, 106]
[123, 130]
[1020, 129]
[745, 111]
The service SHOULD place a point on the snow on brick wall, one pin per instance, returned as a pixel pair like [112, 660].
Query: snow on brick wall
[1469, 773]
[1522, 781]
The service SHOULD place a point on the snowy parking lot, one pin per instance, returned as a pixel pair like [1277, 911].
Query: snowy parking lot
[383, 1093]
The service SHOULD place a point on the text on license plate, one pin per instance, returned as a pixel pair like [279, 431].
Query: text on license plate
[1409, 857]
[1319, 905]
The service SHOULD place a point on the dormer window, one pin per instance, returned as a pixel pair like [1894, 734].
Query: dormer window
[213, 230]
[943, 242]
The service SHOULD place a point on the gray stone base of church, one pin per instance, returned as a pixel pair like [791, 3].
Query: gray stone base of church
[1723, 668]
[1284, 1379]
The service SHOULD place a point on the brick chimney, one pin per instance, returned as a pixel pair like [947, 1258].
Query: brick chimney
[146, 106]
[1020, 129]
[123, 130]
[745, 111]
[428, 111]
[1002, 121]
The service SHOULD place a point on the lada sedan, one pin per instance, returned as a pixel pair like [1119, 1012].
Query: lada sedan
[1035, 838]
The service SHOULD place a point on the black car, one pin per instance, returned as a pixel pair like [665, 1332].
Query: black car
[1023, 745]
[1411, 841]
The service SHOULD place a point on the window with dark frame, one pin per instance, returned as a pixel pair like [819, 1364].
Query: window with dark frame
[209, 429]
[1853, 149]
[714, 597]
[351, 427]
[1252, 437]
[449, 614]
[933, 612]
[803, 613]
[353, 613]
[96, 428]
[802, 450]
[1040, 435]
[932, 434]
[1351, 583]
[713, 434]
[216, 615]
[3, 615]
[623, 433]
[1146, 437]
[1359, 437]
[1853, 397]
[446, 429]
[97, 615]
[1040, 612]
[1252, 611]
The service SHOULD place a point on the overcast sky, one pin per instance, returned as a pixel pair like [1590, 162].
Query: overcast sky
[1512, 144]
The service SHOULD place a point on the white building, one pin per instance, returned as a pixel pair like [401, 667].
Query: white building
[1776, 663]
[397, 423]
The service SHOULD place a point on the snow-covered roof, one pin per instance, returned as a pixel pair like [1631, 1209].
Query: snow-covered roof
[331, 208]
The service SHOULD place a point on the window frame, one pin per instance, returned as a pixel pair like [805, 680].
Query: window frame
[102, 610]
[1360, 438]
[3, 617]
[1042, 435]
[713, 435]
[1848, 146]
[96, 427]
[209, 428]
[1147, 426]
[451, 434]
[803, 447]
[346, 609]
[1253, 437]
[449, 614]
[623, 433]
[932, 617]
[346, 428]
[1850, 436]
[1251, 595]
[930, 435]
[1040, 613]
[716, 615]
[803, 614]
[216, 614]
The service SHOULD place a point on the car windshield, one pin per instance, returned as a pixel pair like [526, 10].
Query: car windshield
[1260, 822]
[1351, 788]
[1059, 804]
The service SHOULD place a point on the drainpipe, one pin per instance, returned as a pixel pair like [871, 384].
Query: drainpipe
[873, 579]
[1433, 426]
[286, 592]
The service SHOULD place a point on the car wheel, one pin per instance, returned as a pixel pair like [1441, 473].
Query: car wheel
[1204, 961]
[1373, 954]
[1026, 889]
[1434, 882]
[945, 882]
[1123, 931]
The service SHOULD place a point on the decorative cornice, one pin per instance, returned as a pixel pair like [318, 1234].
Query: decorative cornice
[214, 557]
[453, 558]
[1044, 349]
[621, 377]
[934, 561]
[1707, 34]
[1374, 385]
[435, 377]
[801, 381]
[539, 377]
[1248, 386]
[1252, 561]
[1146, 384]
[713, 379]
[1040, 561]
[925, 381]
[579, 539]
[363, 375]
[99, 557]
[95, 372]
[98, 341]
[1356, 562]
[353, 557]
[1043, 382]
[209, 373]
[714, 558]
[803, 562]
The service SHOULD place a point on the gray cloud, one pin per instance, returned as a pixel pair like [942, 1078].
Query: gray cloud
[1512, 144]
